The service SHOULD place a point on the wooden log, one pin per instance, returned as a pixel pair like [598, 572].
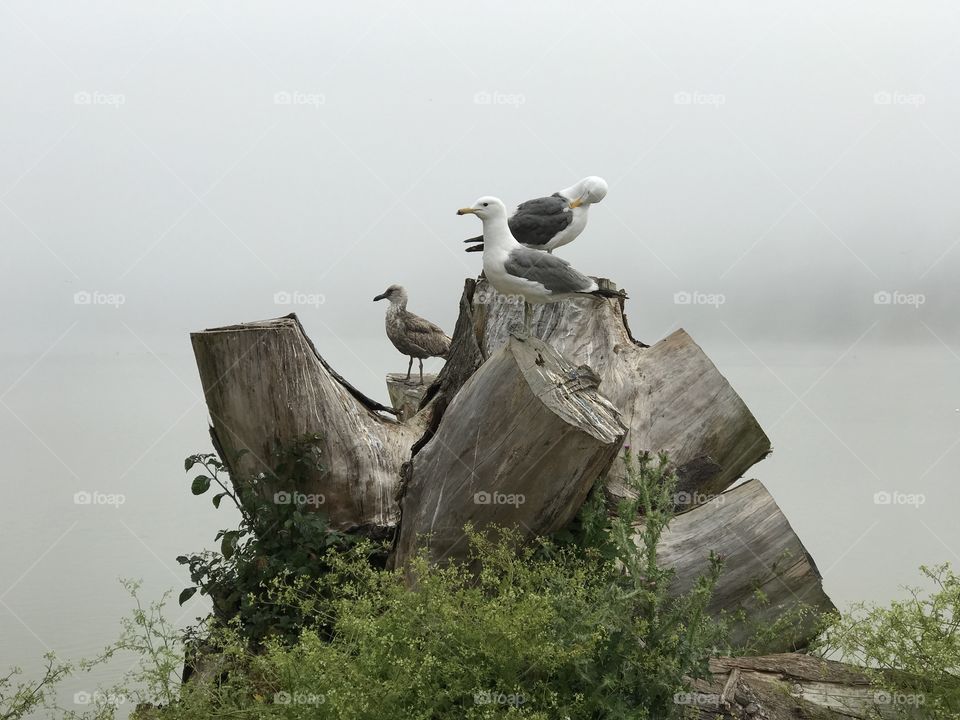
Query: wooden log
[405, 396]
[670, 395]
[520, 446]
[761, 553]
[266, 386]
[788, 686]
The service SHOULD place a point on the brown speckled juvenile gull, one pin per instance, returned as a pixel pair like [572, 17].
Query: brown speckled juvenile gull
[411, 334]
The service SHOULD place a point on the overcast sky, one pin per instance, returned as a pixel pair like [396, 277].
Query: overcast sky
[790, 159]
[782, 181]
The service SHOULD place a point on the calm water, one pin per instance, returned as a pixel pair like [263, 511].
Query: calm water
[881, 418]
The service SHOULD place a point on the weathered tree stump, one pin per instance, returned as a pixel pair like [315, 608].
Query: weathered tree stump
[266, 386]
[761, 553]
[406, 396]
[517, 417]
[670, 395]
[520, 446]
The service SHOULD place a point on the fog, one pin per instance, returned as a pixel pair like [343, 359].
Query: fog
[782, 181]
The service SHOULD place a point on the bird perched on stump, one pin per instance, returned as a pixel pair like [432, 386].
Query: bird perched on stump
[547, 223]
[411, 334]
[514, 269]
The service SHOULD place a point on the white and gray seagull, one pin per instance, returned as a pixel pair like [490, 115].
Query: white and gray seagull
[546, 223]
[514, 269]
[411, 334]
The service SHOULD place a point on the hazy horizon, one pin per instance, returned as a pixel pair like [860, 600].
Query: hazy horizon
[779, 185]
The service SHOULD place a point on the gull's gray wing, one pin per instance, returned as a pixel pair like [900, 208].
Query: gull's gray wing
[536, 222]
[554, 273]
[425, 334]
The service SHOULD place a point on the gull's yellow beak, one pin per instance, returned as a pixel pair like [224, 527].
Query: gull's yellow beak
[576, 203]
[466, 211]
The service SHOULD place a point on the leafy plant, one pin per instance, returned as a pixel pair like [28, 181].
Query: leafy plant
[580, 626]
[911, 647]
[279, 535]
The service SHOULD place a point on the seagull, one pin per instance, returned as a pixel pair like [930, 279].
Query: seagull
[411, 334]
[514, 269]
[549, 222]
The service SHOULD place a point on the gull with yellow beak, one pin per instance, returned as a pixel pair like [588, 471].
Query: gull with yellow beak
[514, 269]
[547, 223]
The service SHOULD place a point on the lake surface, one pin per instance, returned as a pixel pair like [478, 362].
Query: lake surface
[871, 418]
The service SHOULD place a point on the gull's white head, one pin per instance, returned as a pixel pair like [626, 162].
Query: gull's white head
[486, 208]
[395, 294]
[590, 190]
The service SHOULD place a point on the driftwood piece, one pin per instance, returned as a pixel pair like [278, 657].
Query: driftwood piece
[520, 446]
[266, 386]
[761, 552]
[406, 395]
[789, 686]
[671, 396]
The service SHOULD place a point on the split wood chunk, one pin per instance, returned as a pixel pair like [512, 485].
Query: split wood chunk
[520, 446]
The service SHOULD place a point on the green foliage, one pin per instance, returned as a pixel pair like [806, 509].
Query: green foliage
[279, 536]
[156, 649]
[19, 698]
[579, 626]
[912, 646]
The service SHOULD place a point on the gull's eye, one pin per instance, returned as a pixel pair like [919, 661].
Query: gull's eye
[485, 204]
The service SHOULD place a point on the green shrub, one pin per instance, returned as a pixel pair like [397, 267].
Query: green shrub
[579, 626]
[275, 539]
[911, 647]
